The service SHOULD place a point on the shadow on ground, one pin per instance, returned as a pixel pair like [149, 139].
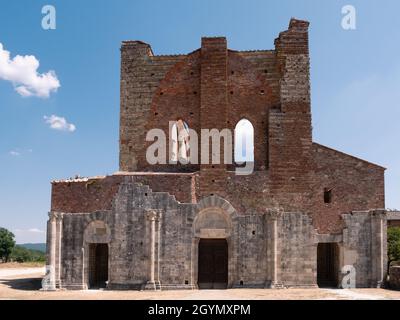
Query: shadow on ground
[23, 284]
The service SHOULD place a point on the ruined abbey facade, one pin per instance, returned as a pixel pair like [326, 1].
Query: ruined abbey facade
[306, 216]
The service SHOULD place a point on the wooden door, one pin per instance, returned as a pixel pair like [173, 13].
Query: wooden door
[98, 265]
[327, 265]
[213, 264]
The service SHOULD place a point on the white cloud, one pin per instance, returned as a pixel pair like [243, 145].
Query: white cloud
[59, 123]
[32, 235]
[35, 230]
[31, 230]
[21, 71]
[15, 153]
[19, 152]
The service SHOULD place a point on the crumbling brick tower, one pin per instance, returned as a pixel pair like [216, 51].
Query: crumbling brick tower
[305, 217]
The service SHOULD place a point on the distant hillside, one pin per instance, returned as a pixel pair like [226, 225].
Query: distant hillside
[34, 246]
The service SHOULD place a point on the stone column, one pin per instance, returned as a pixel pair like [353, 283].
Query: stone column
[274, 249]
[378, 246]
[158, 243]
[273, 217]
[152, 284]
[53, 244]
[49, 280]
[152, 247]
[84, 282]
[59, 219]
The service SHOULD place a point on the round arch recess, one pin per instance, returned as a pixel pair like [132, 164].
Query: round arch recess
[214, 219]
[97, 231]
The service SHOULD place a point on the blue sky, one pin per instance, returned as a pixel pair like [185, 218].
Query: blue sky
[355, 84]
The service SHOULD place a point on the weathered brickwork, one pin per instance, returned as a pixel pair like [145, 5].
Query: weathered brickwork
[141, 74]
[356, 186]
[89, 195]
[153, 218]
[393, 218]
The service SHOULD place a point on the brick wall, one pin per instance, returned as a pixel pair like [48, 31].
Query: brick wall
[214, 87]
[393, 218]
[356, 185]
[141, 74]
[158, 89]
[97, 194]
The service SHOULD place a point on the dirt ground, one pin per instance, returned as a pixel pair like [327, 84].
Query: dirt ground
[17, 265]
[25, 284]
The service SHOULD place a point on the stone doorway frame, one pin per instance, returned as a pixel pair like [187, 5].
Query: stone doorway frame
[329, 252]
[218, 243]
[336, 239]
[94, 264]
[92, 235]
[221, 207]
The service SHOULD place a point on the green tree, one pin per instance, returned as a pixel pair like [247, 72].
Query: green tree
[393, 239]
[7, 244]
[21, 254]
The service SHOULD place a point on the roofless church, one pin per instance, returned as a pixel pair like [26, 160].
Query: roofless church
[305, 216]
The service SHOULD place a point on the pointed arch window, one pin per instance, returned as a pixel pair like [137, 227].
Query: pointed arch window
[244, 141]
[180, 142]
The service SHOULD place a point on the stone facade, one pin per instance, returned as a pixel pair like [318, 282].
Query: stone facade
[151, 219]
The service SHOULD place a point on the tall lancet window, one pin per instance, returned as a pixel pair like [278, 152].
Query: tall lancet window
[244, 141]
[180, 142]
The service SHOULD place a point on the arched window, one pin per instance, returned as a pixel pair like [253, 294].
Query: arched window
[180, 142]
[244, 141]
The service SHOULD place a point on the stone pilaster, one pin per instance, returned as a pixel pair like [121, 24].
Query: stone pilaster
[378, 249]
[58, 258]
[153, 283]
[49, 280]
[272, 219]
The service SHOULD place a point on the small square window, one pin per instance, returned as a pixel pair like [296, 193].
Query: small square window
[327, 195]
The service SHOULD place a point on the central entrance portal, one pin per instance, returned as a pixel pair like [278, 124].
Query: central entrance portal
[327, 265]
[213, 264]
[98, 265]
